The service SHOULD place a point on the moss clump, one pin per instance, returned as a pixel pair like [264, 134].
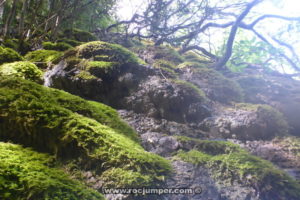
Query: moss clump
[79, 35]
[193, 57]
[59, 46]
[272, 117]
[25, 174]
[113, 52]
[208, 146]
[117, 177]
[9, 55]
[223, 89]
[239, 165]
[21, 46]
[44, 58]
[23, 69]
[168, 53]
[71, 128]
[192, 88]
[191, 65]
[167, 67]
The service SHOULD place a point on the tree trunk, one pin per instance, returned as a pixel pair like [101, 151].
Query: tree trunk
[10, 18]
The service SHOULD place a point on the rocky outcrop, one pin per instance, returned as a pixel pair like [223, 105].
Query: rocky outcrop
[280, 92]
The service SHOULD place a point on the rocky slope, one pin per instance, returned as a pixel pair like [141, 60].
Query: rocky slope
[187, 117]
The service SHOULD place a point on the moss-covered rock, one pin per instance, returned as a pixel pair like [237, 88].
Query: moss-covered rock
[167, 68]
[25, 174]
[44, 58]
[271, 117]
[150, 53]
[191, 65]
[23, 69]
[192, 56]
[214, 84]
[191, 88]
[59, 46]
[73, 129]
[79, 35]
[103, 51]
[20, 46]
[9, 55]
[236, 164]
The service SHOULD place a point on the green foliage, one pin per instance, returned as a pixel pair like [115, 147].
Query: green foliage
[252, 51]
[192, 88]
[23, 69]
[25, 174]
[44, 58]
[113, 52]
[71, 128]
[21, 46]
[79, 35]
[237, 164]
[9, 55]
[59, 46]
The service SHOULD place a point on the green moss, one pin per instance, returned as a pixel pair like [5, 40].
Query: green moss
[270, 115]
[167, 68]
[79, 35]
[44, 58]
[168, 53]
[208, 146]
[239, 165]
[225, 90]
[191, 87]
[115, 53]
[71, 128]
[84, 75]
[23, 69]
[191, 64]
[59, 46]
[117, 177]
[9, 55]
[193, 57]
[25, 174]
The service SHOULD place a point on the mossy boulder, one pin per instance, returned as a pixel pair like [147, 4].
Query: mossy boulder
[79, 35]
[26, 174]
[20, 46]
[44, 58]
[72, 129]
[9, 55]
[150, 53]
[23, 69]
[216, 86]
[247, 122]
[168, 69]
[192, 56]
[281, 92]
[59, 46]
[98, 70]
[229, 164]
